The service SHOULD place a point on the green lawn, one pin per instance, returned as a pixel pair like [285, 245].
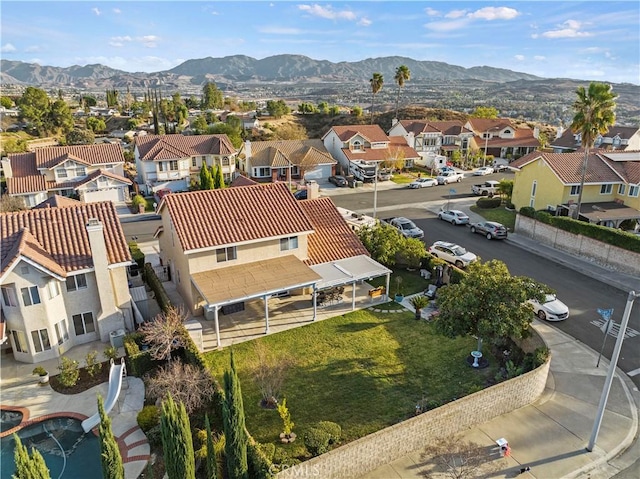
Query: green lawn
[501, 215]
[412, 282]
[364, 371]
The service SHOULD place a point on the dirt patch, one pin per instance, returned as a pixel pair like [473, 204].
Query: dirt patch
[85, 382]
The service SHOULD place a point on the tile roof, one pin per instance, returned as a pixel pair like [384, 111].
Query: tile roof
[372, 133]
[49, 157]
[480, 125]
[602, 166]
[396, 144]
[451, 127]
[566, 140]
[100, 172]
[306, 153]
[57, 238]
[242, 181]
[215, 218]
[57, 201]
[332, 238]
[171, 147]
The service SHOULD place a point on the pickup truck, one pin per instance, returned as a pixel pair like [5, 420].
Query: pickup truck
[405, 226]
[449, 176]
[488, 188]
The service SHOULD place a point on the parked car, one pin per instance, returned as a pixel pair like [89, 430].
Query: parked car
[455, 217]
[445, 168]
[384, 174]
[452, 253]
[338, 180]
[449, 176]
[423, 183]
[300, 195]
[483, 170]
[490, 229]
[552, 309]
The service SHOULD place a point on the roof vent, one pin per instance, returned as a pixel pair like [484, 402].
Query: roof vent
[93, 222]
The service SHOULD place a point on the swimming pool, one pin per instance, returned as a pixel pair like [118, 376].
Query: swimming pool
[81, 456]
[9, 419]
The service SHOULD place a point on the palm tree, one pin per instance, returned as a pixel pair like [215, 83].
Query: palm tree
[594, 114]
[376, 85]
[402, 75]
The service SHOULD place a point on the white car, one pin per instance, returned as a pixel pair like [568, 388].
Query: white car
[455, 217]
[552, 309]
[483, 170]
[452, 253]
[423, 183]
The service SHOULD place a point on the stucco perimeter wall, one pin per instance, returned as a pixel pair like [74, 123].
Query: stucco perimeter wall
[604, 254]
[370, 452]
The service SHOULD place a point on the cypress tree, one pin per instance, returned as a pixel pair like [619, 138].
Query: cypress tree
[219, 179]
[29, 467]
[234, 425]
[112, 466]
[177, 444]
[212, 464]
[205, 177]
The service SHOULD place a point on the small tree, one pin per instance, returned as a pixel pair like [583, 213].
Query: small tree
[285, 415]
[212, 464]
[411, 252]
[29, 467]
[269, 373]
[11, 203]
[382, 241]
[93, 365]
[69, 372]
[188, 384]
[234, 425]
[177, 443]
[165, 333]
[112, 466]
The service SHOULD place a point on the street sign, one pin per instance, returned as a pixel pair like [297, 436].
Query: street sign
[452, 191]
[605, 313]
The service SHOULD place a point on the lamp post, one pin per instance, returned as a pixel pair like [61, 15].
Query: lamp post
[612, 367]
[486, 140]
[375, 192]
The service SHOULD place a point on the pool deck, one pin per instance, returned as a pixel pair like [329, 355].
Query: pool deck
[22, 390]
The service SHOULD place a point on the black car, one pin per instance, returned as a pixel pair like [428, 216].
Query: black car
[490, 229]
[300, 195]
[338, 180]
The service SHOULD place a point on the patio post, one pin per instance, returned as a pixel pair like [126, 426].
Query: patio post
[353, 296]
[315, 304]
[217, 323]
[387, 291]
[266, 312]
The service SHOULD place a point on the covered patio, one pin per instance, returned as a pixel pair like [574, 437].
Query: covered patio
[610, 214]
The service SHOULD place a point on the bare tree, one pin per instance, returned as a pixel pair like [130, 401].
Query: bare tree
[186, 383]
[454, 458]
[11, 203]
[165, 333]
[269, 372]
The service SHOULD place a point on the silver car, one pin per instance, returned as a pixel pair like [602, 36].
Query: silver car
[490, 229]
[452, 253]
[455, 217]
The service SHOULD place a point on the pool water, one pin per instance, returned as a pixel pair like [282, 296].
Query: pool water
[9, 419]
[81, 458]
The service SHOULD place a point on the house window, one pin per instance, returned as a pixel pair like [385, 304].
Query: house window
[295, 171]
[40, 339]
[102, 181]
[161, 166]
[76, 282]
[173, 165]
[9, 296]
[81, 171]
[226, 254]
[290, 243]
[534, 187]
[61, 331]
[575, 190]
[61, 172]
[20, 341]
[53, 288]
[621, 189]
[225, 161]
[633, 190]
[357, 145]
[262, 172]
[194, 161]
[83, 323]
[30, 295]
[606, 189]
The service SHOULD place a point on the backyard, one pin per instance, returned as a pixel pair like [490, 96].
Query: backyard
[364, 371]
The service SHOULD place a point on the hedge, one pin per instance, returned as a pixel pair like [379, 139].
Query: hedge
[489, 203]
[156, 286]
[136, 254]
[138, 362]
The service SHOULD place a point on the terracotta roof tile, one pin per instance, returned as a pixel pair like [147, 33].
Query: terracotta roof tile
[298, 152]
[332, 238]
[100, 172]
[165, 147]
[100, 154]
[242, 181]
[396, 144]
[451, 127]
[57, 201]
[480, 125]
[373, 133]
[61, 234]
[208, 219]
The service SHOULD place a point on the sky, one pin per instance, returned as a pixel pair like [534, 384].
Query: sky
[591, 40]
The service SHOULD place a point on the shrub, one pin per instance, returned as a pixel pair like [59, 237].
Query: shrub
[69, 372]
[535, 359]
[111, 353]
[528, 211]
[136, 254]
[148, 418]
[316, 440]
[154, 436]
[333, 429]
[139, 200]
[156, 286]
[138, 362]
[93, 365]
[489, 203]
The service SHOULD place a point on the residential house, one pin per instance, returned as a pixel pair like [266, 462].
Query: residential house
[230, 246]
[501, 138]
[624, 138]
[88, 172]
[366, 143]
[434, 137]
[173, 162]
[552, 181]
[286, 160]
[63, 278]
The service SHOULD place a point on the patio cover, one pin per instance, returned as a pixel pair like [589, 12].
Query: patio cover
[348, 270]
[253, 280]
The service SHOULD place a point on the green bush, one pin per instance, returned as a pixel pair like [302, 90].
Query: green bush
[138, 362]
[488, 203]
[148, 418]
[316, 440]
[258, 463]
[136, 254]
[69, 372]
[528, 211]
[139, 200]
[110, 353]
[333, 429]
[156, 286]
[93, 366]
[154, 436]
[535, 359]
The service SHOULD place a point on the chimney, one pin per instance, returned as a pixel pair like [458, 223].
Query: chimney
[313, 191]
[560, 132]
[536, 132]
[394, 121]
[247, 149]
[109, 318]
[6, 168]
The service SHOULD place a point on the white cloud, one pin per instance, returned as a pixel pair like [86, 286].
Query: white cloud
[568, 29]
[447, 26]
[281, 31]
[149, 41]
[495, 13]
[328, 12]
[455, 14]
[117, 11]
[7, 48]
[539, 57]
[519, 57]
[364, 22]
[431, 12]
[33, 49]
[96, 11]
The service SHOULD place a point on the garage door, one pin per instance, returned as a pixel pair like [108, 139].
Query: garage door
[115, 194]
[321, 172]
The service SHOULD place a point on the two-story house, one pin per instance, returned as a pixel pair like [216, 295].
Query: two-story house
[173, 162]
[623, 138]
[552, 181]
[284, 160]
[89, 173]
[248, 243]
[501, 138]
[367, 144]
[434, 137]
[63, 278]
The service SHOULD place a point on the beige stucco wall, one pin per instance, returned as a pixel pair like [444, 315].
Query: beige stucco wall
[368, 453]
[601, 253]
